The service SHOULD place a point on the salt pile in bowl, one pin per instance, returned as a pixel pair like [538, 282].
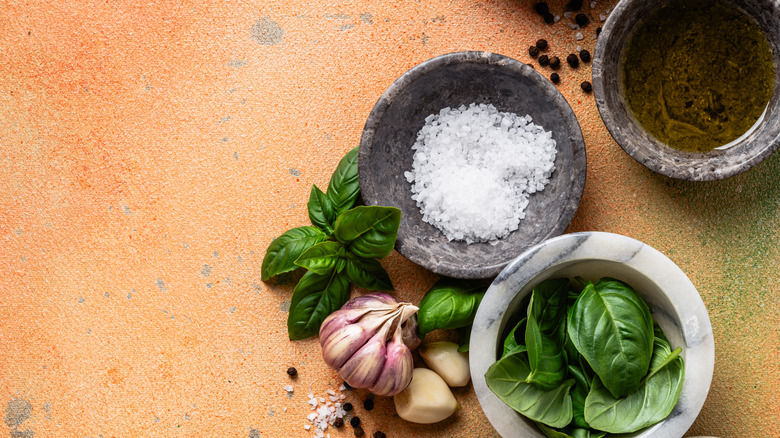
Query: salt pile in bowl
[475, 169]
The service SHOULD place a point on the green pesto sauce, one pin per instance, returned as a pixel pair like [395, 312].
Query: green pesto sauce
[697, 74]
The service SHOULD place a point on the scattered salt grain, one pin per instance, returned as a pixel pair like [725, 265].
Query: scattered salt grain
[557, 19]
[573, 26]
[307, 426]
[593, 5]
[567, 14]
[331, 392]
[475, 168]
[288, 388]
[325, 412]
[602, 17]
[579, 36]
[579, 48]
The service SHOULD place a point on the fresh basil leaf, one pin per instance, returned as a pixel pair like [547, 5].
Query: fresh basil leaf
[650, 403]
[549, 432]
[545, 333]
[315, 297]
[611, 327]
[450, 304]
[586, 433]
[511, 345]
[344, 188]
[320, 258]
[368, 273]
[370, 231]
[578, 395]
[321, 212]
[506, 378]
[285, 249]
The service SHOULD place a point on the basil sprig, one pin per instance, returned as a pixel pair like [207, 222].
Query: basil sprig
[340, 248]
[593, 362]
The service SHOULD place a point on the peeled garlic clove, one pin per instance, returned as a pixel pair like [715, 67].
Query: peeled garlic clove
[426, 400]
[362, 369]
[397, 370]
[444, 358]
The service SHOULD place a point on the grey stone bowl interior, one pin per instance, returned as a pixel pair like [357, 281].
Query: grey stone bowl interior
[449, 81]
[739, 156]
[673, 300]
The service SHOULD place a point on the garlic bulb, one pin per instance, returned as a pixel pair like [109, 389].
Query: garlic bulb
[355, 338]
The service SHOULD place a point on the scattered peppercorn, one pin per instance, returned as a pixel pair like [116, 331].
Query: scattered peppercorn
[584, 55]
[541, 44]
[549, 18]
[368, 404]
[347, 406]
[544, 60]
[586, 87]
[598, 31]
[555, 78]
[573, 61]
[582, 20]
[541, 8]
[379, 434]
[358, 431]
[354, 421]
[292, 372]
[533, 51]
[574, 5]
[555, 62]
[339, 422]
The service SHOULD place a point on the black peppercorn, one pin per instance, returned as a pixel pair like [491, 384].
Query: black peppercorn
[347, 406]
[541, 44]
[582, 20]
[586, 87]
[292, 372]
[549, 18]
[541, 8]
[573, 61]
[368, 404]
[379, 434]
[533, 51]
[358, 431]
[584, 55]
[574, 5]
[555, 62]
[555, 78]
[544, 60]
[598, 31]
[339, 422]
[354, 421]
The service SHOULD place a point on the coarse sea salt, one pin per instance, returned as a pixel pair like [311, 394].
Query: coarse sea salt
[475, 168]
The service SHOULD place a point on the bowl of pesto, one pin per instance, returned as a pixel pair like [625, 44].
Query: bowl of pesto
[592, 334]
[691, 88]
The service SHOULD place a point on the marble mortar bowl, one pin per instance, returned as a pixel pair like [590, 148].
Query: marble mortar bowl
[736, 157]
[673, 301]
[452, 80]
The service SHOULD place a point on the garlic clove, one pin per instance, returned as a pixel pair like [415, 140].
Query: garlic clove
[377, 300]
[444, 358]
[362, 369]
[426, 400]
[409, 332]
[397, 370]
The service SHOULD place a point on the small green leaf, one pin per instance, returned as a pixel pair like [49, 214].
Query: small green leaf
[653, 401]
[368, 273]
[321, 212]
[611, 326]
[344, 188]
[320, 258]
[285, 249]
[369, 231]
[315, 297]
[449, 304]
[511, 345]
[506, 378]
[545, 333]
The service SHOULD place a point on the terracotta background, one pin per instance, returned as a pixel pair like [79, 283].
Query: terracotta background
[152, 150]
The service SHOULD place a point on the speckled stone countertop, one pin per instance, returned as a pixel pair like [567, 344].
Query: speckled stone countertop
[151, 152]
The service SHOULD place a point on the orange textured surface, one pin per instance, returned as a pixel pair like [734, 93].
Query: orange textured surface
[152, 150]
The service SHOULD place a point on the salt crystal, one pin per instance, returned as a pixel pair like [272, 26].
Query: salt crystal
[593, 5]
[311, 416]
[288, 388]
[331, 392]
[602, 17]
[342, 387]
[579, 36]
[306, 426]
[556, 19]
[579, 48]
[566, 14]
[573, 26]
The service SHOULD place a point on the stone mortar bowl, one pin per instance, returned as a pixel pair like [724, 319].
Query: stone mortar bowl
[672, 298]
[452, 80]
[736, 157]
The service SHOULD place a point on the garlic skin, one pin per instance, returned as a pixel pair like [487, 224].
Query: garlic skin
[444, 358]
[355, 338]
[426, 400]
[409, 330]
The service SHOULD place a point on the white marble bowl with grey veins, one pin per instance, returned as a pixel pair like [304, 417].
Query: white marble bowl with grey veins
[673, 301]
